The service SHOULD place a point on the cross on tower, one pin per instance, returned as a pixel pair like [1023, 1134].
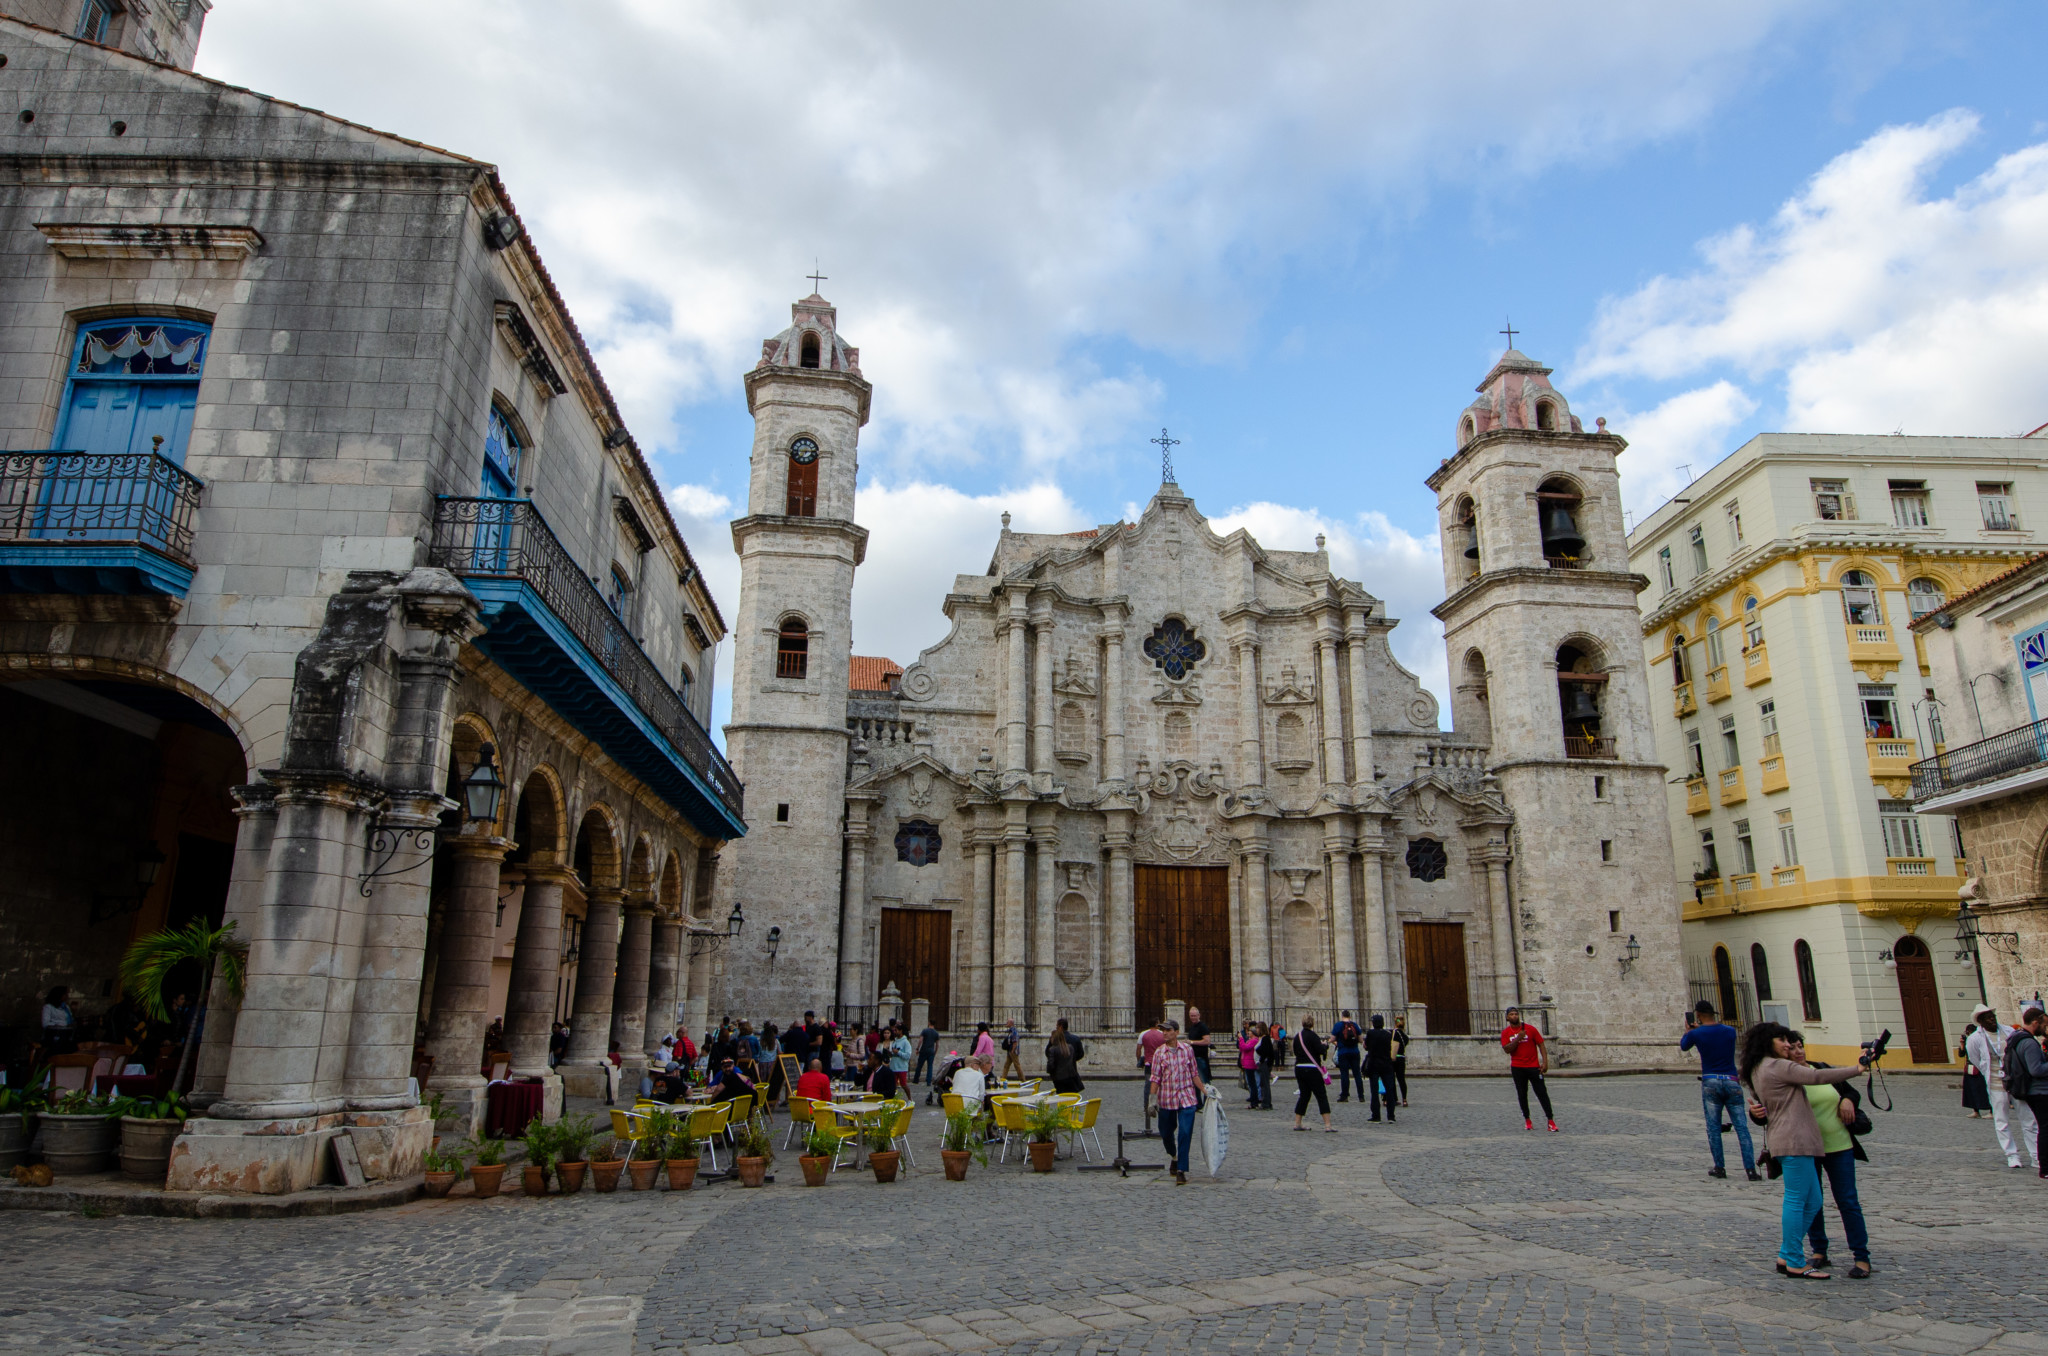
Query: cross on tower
[1166, 446]
[815, 277]
[1510, 332]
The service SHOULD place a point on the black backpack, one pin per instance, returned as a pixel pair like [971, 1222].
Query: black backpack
[2015, 1078]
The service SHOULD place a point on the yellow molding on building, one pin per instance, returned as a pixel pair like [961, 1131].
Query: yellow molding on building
[1898, 897]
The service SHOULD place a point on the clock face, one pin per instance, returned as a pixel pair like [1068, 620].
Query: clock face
[803, 451]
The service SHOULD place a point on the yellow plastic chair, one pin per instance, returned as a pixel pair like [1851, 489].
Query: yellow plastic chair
[953, 1102]
[1080, 1124]
[899, 1132]
[1010, 1120]
[630, 1126]
[800, 1113]
[706, 1124]
[846, 1125]
[742, 1108]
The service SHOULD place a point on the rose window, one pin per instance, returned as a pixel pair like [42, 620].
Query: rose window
[1174, 648]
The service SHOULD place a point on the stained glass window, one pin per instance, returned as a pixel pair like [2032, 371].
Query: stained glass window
[1426, 859]
[917, 842]
[1174, 648]
[142, 348]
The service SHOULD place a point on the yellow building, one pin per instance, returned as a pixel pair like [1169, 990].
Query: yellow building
[1790, 700]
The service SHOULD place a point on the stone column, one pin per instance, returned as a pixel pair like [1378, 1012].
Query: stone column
[257, 816]
[1258, 925]
[1015, 711]
[596, 971]
[629, 990]
[1046, 840]
[1331, 702]
[1122, 958]
[1113, 693]
[698, 964]
[1507, 979]
[854, 986]
[1379, 959]
[1337, 844]
[462, 980]
[981, 980]
[1251, 758]
[536, 972]
[1356, 641]
[1041, 696]
[1011, 914]
[663, 966]
[388, 962]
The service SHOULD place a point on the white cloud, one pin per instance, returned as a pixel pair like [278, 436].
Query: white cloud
[697, 501]
[1877, 305]
[1674, 444]
[986, 185]
[1403, 570]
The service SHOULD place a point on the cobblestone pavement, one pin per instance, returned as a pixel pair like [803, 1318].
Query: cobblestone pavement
[1451, 1231]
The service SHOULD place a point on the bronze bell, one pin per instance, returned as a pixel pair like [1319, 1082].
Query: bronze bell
[1579, 705]
[1471, 532]
[1560, 534]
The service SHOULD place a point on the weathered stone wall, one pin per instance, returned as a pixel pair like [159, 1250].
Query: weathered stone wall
[2007, 841]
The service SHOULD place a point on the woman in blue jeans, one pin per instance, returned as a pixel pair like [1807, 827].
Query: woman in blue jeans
[1835, 1110]
[1795, 1139]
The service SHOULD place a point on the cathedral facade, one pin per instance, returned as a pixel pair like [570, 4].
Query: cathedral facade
[1154, 764]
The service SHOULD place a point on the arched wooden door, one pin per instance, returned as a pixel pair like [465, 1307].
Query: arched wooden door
[1724, 979]
[1921, 999]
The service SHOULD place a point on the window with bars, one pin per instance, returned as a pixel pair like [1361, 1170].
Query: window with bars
[1901, 835]
[1832, 501]
[1745, 849]
[793, 650]
[1995, 499]
[1909, 503]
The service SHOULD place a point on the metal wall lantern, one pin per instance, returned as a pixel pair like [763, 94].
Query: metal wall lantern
[701, 942]
[1635, 951]
[483, 790]
[774, 942]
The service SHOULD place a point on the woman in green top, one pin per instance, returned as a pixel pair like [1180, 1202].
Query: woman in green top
[1834, 1106]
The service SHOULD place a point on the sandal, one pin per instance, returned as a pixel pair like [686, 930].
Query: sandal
[1803, 1274]
[1860, 1272]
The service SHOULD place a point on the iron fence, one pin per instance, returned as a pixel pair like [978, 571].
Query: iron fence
[1987, 760]
[76, 497]
[508, 539]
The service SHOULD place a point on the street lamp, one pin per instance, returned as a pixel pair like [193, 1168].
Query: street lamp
[1635, 950]
[774, 941]
[148, 861]
[482, 789]
[735, 920]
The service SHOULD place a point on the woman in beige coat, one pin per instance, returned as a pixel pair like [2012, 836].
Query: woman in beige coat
[1794, 1135]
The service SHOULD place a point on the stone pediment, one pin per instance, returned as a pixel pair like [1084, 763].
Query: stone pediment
[1435, 801]
[1290, 691]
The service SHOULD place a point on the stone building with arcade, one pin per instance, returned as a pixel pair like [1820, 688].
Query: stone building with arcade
[1153, 764]
[314, 508]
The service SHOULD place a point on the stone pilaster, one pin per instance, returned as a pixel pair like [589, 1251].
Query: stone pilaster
[1041, 700]
[1012, 911]
[256, 816]
[389, 959]
[1045, 841]
[1256, 854]
[1122, 959]
[1355, 642]
[854, 985]
[1251, 757]
[1113, 692]
[1330, 700]
[1382, 956]
[1016, 695]
[462, 978]
[663, 969]
[629, 991]
[1507, 977]
[1343, 929]
[981, 925]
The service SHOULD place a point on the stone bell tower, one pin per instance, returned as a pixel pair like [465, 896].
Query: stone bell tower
[798, 547]
[1546, 660]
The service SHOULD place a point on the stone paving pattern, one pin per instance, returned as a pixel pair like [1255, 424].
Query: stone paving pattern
[1452, 1231]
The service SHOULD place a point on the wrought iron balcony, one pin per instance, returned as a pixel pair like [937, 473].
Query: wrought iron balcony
[1987, 760]
[87, 522]
[552, 630]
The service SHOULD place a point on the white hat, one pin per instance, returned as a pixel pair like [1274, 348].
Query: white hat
[1979, 1011]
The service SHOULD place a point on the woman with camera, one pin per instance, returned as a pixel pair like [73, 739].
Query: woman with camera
[1794, 1135]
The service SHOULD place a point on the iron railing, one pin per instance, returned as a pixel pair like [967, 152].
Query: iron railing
[1588, 746]
[1987, 760]
[80, 497]
[508, 539]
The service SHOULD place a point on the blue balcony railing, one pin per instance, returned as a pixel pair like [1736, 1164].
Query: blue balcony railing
[1987, 760]
[88, 522]
[512, 560]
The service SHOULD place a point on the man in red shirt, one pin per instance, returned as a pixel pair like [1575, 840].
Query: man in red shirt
[1149, 1041]
[1527, 1060]
[814, 1083]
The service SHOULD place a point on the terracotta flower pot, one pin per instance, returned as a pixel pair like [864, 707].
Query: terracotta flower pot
[956, 1161]
[570, 1175]
[642, 1171]
[146, 1148]
[884, 1162]
[605, 1176]
[817, 1169]
[751, 1170]
[532, 1177]
[440, 1183]
[486, 1178]
[1041, 1154]
[682, 1173]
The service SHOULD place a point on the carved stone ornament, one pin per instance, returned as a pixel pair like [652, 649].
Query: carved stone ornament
[920, 793]
[1289, 691]
[1184, 838]
[1070, 680]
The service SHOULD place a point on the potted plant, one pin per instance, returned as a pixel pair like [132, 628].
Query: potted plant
[641, 1170]
[965, 1141]
[679, 1153]
[572, 1145]
[877, 1131]
[1043, 1121]
[487, 1165]
[541, 1142]
[152, 958]
[754, 1152]
[821, 1147]
[443, 1168]
[81, 1131]
[607, 1161]
[147, 1133]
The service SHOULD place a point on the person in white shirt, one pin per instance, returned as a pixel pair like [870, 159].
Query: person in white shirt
[1986, 1048]
[970, 1081]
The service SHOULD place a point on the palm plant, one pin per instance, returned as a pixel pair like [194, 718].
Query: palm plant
[151, 959]
[966, 1132]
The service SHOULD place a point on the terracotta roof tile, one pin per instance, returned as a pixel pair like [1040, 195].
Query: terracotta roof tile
[872, 673]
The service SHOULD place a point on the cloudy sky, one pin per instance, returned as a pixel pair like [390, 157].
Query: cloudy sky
[1290, 232]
